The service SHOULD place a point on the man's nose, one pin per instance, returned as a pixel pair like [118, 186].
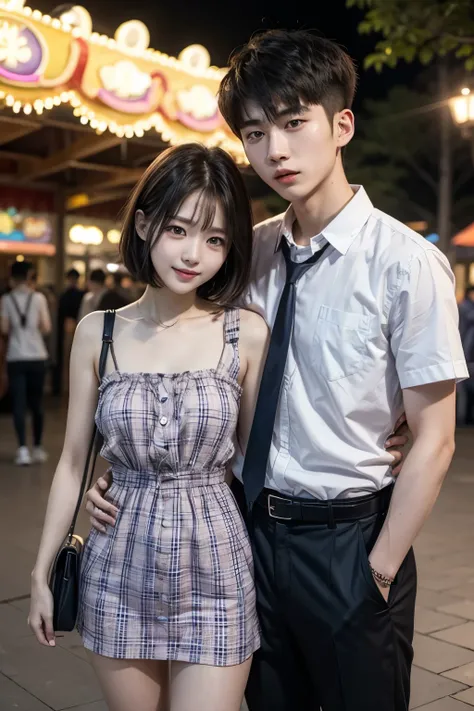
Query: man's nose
[277, 147]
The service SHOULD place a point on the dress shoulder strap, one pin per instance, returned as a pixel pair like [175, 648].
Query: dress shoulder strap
[232, 325]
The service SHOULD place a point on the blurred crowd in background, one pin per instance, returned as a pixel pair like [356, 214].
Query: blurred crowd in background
[100, 291]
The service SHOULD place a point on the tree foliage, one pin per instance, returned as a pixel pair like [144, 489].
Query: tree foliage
[395, 155]
[418, 29]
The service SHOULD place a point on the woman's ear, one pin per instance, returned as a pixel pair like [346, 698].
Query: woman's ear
[141, 225]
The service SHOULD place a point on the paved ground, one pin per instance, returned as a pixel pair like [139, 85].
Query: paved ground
[33, 678]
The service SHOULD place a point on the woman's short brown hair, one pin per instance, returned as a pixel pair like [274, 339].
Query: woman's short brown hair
[170, 179]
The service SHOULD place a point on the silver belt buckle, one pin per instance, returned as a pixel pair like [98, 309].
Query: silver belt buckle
[271, 507]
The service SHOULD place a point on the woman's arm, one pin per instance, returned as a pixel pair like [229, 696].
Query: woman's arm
[67, 479]
[254, 342]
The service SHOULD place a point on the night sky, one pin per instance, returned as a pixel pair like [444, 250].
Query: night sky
[222, 26]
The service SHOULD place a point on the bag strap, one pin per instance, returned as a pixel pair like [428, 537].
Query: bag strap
[22, 316]
[92, 452]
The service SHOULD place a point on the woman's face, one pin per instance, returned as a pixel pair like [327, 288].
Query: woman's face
[188, 252]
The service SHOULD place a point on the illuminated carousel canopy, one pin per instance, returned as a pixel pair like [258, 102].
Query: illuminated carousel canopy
[117, 85]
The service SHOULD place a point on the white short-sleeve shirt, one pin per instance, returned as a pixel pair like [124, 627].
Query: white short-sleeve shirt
[376, 314]
[25, 343]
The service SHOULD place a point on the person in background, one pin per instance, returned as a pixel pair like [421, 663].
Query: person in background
[25, 321]
[132, 287]
[116, 297]
[96, 290]
[68, 314]
[465, 408]
[50, 338]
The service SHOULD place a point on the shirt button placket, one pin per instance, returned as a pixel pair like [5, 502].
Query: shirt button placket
[163, 399]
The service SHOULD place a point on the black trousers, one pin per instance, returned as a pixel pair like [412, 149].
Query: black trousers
[329, 639]
[26, 382]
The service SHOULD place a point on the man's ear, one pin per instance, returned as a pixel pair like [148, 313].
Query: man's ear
[141, 224]
[344, 126]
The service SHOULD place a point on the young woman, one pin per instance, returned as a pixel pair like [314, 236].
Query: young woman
[172, 582]
[25, 321]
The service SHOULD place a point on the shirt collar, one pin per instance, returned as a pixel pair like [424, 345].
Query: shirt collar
[341, 231]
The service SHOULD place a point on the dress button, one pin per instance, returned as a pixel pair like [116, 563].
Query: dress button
[164, 421]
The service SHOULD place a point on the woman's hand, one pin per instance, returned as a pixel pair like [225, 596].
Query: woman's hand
[100, 510]
[40, 618]
[396, 442]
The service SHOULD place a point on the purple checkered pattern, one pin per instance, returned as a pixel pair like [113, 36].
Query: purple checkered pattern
[174, 578]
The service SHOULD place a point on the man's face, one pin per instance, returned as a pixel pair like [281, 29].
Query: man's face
[298, 152]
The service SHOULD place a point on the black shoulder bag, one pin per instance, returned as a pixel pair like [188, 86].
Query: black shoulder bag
[64, 580]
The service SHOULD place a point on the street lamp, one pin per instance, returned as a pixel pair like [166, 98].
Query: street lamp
[462, 109]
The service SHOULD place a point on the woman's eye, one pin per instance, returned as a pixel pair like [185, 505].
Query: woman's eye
[295, 123]
[175, 230]
[216, 241]
[255, 135]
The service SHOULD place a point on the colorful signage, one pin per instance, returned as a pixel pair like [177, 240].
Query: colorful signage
[117, 84]
[26, 233]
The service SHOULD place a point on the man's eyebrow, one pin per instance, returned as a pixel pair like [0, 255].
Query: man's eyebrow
[297, 109]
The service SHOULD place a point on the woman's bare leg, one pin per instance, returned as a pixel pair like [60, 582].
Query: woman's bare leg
[132, 684]
[197, 686]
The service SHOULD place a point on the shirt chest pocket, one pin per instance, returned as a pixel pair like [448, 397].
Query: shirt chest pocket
[340, 342]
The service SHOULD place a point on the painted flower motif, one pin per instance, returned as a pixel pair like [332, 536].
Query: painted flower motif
[14, 48]
[125, 80]
[198, 102]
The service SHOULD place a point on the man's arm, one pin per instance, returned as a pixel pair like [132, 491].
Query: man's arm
[430, 411]
[4, 320]
[44, 324]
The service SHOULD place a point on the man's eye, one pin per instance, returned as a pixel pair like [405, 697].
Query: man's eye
[295, 123]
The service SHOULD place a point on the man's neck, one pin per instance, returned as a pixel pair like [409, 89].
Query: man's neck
[316, 211]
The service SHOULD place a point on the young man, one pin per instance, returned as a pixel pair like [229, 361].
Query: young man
[367, 327]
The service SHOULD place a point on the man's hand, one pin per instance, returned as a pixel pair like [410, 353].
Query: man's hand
[100, 510]
[397, 441]
[385, 592]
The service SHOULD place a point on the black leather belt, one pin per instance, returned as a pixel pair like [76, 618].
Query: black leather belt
[330, 512]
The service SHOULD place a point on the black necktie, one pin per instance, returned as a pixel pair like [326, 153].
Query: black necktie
[260, 439]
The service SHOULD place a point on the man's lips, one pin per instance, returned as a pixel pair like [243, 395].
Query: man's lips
[285, 176]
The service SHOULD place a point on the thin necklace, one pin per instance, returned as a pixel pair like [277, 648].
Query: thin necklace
[158, 323]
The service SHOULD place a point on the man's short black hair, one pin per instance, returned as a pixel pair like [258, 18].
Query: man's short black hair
[283, 68]
[97, 276]
[20, 270]
[73, 274]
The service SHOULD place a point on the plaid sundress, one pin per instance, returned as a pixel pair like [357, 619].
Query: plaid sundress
[173, 580]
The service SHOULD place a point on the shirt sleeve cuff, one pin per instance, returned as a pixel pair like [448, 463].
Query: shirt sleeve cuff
[450, 370]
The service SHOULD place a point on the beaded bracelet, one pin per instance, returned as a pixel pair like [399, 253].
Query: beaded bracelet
[383, 580]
